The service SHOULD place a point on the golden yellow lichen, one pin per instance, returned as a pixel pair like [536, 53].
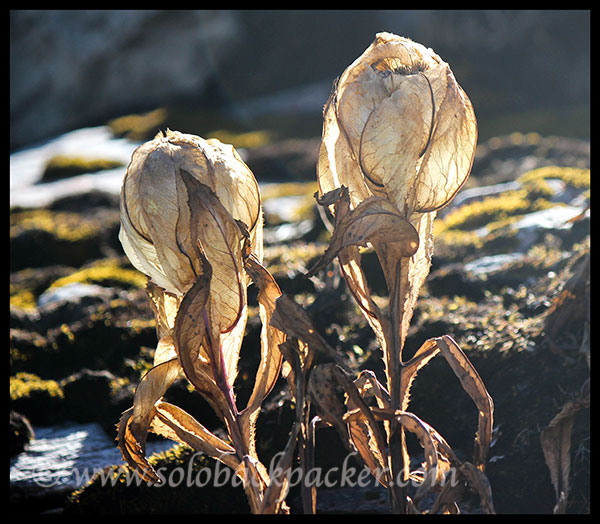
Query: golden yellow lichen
[22, 299]
[246, 140]
[63, 166]
[573, 176]
[64, 225]
[23, 385]
[491, 209]
[102, 273]
[139, 127]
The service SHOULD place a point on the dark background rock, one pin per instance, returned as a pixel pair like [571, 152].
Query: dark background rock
[70, 69]
[21, 433]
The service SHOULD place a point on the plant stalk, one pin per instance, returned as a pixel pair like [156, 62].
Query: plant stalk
[394, 369]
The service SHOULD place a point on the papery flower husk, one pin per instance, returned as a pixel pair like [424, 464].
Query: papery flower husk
[156, 217]
[398, 125]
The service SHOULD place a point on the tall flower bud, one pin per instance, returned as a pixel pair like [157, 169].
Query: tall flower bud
[398, 131]
[161, 229]
[399, 126]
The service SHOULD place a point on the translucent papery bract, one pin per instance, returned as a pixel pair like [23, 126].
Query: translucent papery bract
[398, 125]
[156, 217]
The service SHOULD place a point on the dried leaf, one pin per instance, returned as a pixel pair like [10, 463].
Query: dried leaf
[480, 483]
[175, 424]
[221, 240]
[290, 318]
[349, 259]
[556, 445]
[424, 354]
[278, 486]
[373, 220]
[432, 474]
[368, 385]
[364, 431]
[165, 306]
[323, 389]
[134, 425]
[271, 337]
[133, 448]
[474, 386]
[405, 276]
[273, 500]
[448, 160]
[199, 358]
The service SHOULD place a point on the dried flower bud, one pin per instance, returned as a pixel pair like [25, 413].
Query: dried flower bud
[161, 229]
[399, 126]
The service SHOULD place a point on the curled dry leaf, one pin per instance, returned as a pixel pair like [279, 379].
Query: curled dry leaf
[135, 423]
[271, 338]
[291, 319]
[374, 220]
[424, 354]
[363, 432]
[324, 392]
[556, 445]
[474, 386]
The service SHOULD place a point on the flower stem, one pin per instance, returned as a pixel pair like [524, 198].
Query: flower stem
[394, 368]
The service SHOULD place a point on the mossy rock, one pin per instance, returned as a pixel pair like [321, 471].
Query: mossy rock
[38, 399]
[139, 127]
[22, 299]
[96, 341]
[190, 487]
[96, 396]
[484, 226]
[26, 285]
[506, 333]
[105, 272]
[66, 166]
[41, 237]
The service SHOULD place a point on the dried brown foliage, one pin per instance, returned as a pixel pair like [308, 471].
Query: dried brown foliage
[398, 142]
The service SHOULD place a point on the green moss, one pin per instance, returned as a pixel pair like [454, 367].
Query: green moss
[139, 127]
[39, 400]
[104, 273]
[63, 225]
[572, 176]
[24, 385]
[64, 166]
